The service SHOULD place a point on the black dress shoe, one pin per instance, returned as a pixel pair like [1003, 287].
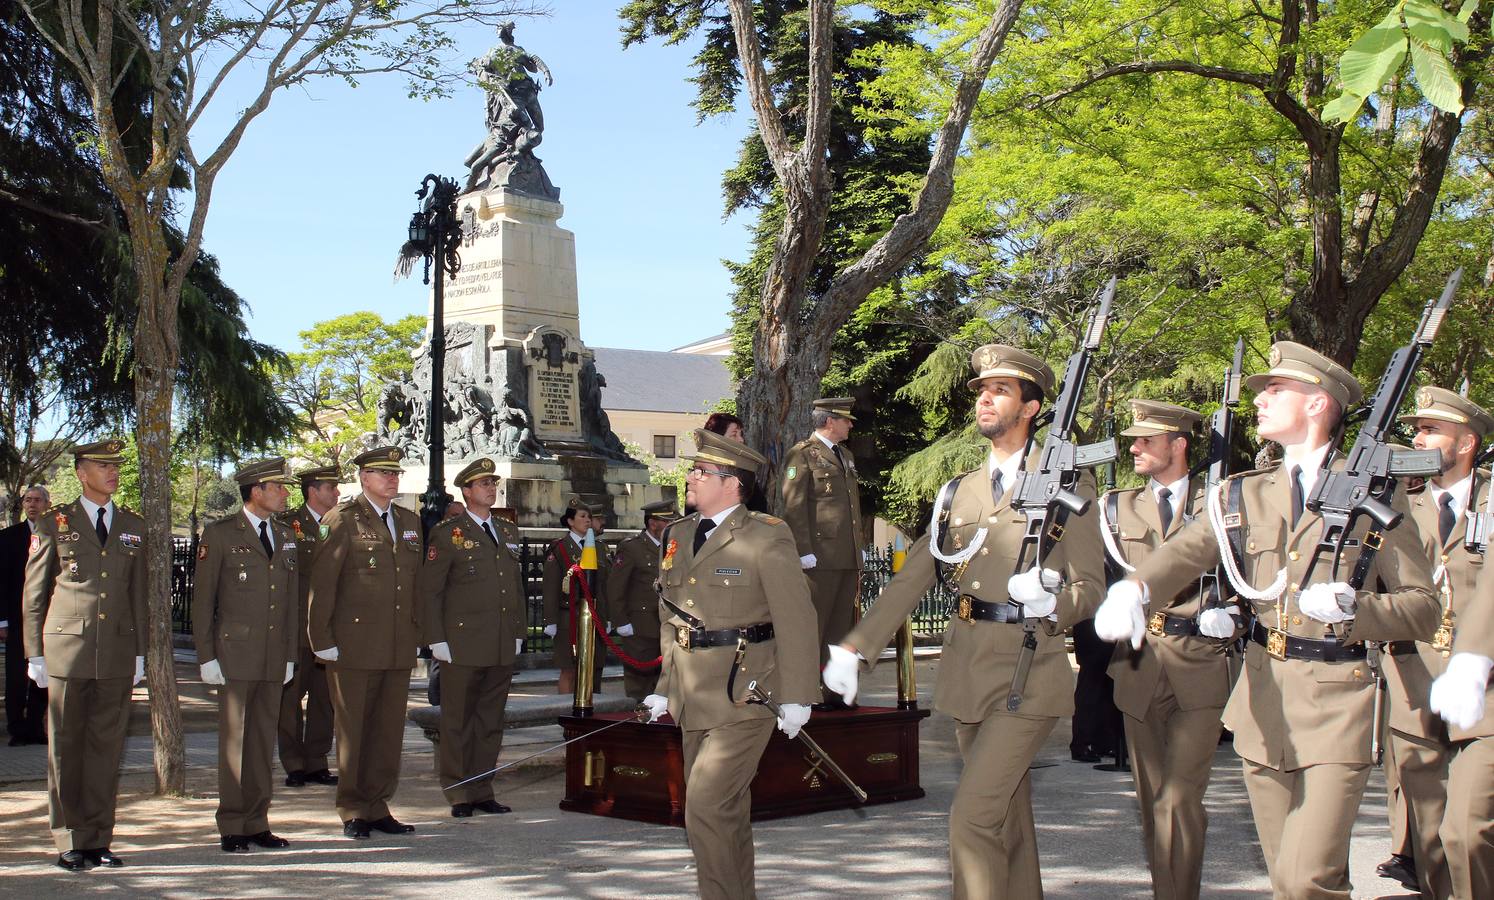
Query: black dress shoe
[390, 825]
[357, 829]
[491, 807]
[295, 779]
[1400, 868]
[233, 843]
[266, 839]
[321, 776]
[103, 858]
[73, 860]
[1084, 756]
[461, 810]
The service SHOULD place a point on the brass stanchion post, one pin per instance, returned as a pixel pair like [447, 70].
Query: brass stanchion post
[907, 682]
[586, 636]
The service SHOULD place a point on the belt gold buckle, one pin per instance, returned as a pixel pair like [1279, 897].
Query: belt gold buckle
[1157, 624]
[1276, 643]
[963, 611]
[682, 638]
[1442, 638]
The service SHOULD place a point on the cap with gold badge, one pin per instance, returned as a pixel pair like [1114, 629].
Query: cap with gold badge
[723, 451]
[837, 406]
[263, 471]
[1153, 417]
[1298, 363]
[661, 509]
[482, 467]
[1447, 406]
[1003, 361]
[110, 450]
[385, 459]
[319, 473]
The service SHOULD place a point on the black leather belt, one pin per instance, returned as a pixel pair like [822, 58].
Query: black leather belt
[1284, 646]
[1164, 623]
[690, 638]
[969, 609]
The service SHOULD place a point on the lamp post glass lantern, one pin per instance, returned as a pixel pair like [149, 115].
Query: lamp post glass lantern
[436, 231]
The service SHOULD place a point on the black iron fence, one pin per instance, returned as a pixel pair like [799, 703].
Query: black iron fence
[931, 616]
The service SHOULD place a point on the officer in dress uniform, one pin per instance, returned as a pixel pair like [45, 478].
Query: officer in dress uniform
[822, 504]
[736, 609]
[85, 620]
[1172, 689]
[635, 570]
[472, 617]
[1301, 711]
[1421, 743]
[306, 736]
[364, 624]
[563, 593]
[992, 841]
[244, 622]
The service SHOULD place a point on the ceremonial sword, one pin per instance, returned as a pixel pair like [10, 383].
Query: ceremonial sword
[638, 715]
[756, 694]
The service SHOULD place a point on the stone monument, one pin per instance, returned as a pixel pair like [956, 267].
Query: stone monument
[520, 385]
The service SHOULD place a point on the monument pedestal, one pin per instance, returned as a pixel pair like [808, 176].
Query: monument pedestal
[539, 489]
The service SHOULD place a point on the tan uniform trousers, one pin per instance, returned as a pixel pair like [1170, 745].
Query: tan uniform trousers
[86, 723]
[369, 706]
[1468, 824]
[248, 716]
[834, 594]
[1396, 809]
[639, 683]
[306, 737]
[1302, 819]
[720, 764]
[472, 707]
[992, 841]
[1422, 766]
[1172, 752]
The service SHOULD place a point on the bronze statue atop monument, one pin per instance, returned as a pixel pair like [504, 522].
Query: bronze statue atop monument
[516, 124]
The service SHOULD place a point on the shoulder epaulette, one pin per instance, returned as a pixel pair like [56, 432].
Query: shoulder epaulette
[764, 517]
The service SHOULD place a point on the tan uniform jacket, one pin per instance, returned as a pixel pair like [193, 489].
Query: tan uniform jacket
[1196, 667]
[822, 504]
[244, 604]
[363, 595]
[980, 657]
[85, 604]
[308, 535]
[1411, 674]
[1475, 634]
[1292, 713]
[554, 571]
[472, 592]
[635, 568]
[747, 572]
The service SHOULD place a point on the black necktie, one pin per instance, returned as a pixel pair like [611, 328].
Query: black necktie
[1164, 508]
[1445, 519]
[997, 488]
[488, 528]
[839, 457]
[264, 538]
[1297, 503]
[387, 527]
[703, 531]
[101, 528]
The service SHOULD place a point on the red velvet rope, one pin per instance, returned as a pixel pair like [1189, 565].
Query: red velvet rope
[578, 576]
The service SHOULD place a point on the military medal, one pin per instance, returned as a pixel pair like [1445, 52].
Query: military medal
[243, 576]
[669, 552]
[296, 527]
[372, 562]
[468, 545]
[456, 537]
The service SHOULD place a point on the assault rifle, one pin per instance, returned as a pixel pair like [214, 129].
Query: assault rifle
[1221, 434]
[1045, 495]
[1480, 524]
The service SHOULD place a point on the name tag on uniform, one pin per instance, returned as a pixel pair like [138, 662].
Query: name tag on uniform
[728, 571]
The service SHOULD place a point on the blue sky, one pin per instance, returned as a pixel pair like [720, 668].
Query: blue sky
[308, 214]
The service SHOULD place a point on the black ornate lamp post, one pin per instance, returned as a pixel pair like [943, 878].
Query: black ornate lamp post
[436, 233]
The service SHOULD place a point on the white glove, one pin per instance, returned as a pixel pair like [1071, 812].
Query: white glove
[549, 631]
[625, 631]
[442, 651]
[865, 556]
[808, 561]
[139, 670]
[1328, 603]
[36, 670]
[657, 704]
[212, 673]
[1030, 589]
[1218, 623]
[290, 672]
[328, 655]
[793, 718]
[1458, 694]
[1122, 617]
[841, 673]
[518, 645]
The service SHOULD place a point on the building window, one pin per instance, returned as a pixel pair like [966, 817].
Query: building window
[664, 446]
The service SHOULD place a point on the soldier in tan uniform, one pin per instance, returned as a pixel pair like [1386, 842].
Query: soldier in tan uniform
[244, 621]
[1422, 744]
[85, 618]
[822, 504]
[472, 617]
[563, 594]
[635, 569]
[306, 736]
[1301, 710]
[992, 841]
[736, 609]
[364, 624]
[1172, 689]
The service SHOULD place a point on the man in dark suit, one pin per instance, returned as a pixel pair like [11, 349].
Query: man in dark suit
[25, 703]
